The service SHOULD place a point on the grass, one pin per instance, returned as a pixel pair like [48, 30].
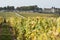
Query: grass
[5, 37]
[8, 14]
[28, 14]
[35, 14]
[6, 33]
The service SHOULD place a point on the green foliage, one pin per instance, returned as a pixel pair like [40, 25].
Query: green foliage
[36, 28]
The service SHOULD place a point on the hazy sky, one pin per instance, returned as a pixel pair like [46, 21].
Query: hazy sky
[40, 3]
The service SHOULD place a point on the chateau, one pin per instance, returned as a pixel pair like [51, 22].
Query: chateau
[51, 10]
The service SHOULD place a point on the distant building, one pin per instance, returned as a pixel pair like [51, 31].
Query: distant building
[47, 10]
[55, 10]
[51, 10]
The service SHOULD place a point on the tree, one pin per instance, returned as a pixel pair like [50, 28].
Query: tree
[4, 8]
[1, 8]
[10, 8]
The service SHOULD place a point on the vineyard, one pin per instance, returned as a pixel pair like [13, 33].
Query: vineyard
[34, 28]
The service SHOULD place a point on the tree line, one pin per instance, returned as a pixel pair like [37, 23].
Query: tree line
[7, 8]
[23, 8]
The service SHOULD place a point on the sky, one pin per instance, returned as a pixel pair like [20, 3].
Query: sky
[39, 3]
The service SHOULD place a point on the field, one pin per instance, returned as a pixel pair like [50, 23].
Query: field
[30, 26]
[28, 14]
[35, 14]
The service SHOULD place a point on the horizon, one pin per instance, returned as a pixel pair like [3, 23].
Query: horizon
[31, 5]
[39, 3]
